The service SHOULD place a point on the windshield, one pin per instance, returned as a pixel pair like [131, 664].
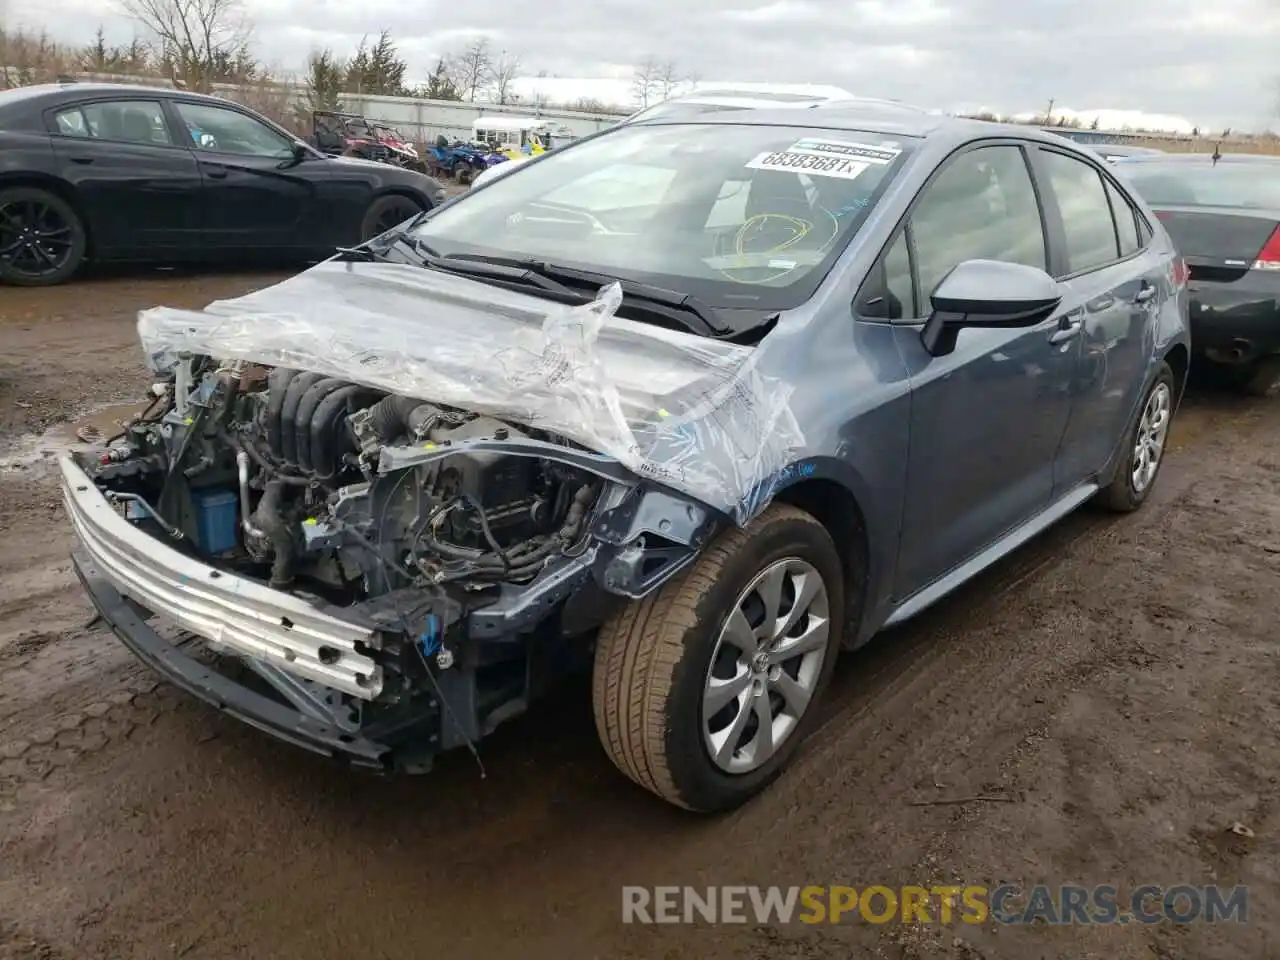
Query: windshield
[744, 217]
[1183, 184]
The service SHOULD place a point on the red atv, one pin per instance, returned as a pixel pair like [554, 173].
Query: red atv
[350, 135]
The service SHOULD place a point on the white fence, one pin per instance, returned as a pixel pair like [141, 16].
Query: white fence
[419, 119]
[424, 120]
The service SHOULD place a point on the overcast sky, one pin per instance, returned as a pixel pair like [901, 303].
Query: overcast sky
[1214, 63]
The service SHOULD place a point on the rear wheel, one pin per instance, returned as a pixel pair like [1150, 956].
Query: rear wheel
[42, 239]
[464, 173]
[386, 213]
[1144, 448]
[704, 690]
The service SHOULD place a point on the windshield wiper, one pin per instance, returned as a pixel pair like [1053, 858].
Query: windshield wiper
[544, 276]
[638, 291]
[475, 267]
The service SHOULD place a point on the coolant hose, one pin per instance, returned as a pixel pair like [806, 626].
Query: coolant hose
[267, 518]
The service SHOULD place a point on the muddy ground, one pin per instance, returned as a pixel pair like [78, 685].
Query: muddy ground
[1115, 686]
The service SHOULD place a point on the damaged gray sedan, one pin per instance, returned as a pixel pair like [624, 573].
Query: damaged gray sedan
[693, 405]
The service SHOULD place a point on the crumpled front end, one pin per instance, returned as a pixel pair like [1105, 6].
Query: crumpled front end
[394, 504]
[233, 613]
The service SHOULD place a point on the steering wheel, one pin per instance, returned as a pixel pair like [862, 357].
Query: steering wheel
[774, 232]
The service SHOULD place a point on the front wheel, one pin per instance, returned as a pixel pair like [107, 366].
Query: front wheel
[385, 214]
[42, 239]
[1144, 448]
[704, 690]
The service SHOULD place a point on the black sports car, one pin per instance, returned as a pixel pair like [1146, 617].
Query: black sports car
[115, 172]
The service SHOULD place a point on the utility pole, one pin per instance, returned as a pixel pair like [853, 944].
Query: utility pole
[1048, 114]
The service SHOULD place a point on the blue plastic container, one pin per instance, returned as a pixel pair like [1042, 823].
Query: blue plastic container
[215, 520]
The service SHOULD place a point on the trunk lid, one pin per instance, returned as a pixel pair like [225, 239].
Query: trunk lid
[1226, 236]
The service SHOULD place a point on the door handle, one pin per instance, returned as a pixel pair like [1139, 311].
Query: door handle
[1146, 292]
[82, 160]
[215, 173]
[1068, 327]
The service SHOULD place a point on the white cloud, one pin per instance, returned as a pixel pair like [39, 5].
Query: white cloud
[1211, 65]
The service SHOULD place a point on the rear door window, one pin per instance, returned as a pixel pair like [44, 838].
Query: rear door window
[1086, 213]
[126, 121]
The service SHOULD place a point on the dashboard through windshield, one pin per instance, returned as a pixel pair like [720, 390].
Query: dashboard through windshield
[739, 216]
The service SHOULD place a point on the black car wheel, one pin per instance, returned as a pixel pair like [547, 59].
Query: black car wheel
[704, 689]
[42, 240]
[386, 213]
[464, 174]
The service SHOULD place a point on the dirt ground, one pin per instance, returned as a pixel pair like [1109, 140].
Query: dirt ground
[1116, 684]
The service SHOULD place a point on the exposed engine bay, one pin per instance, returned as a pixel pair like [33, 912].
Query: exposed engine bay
[473, 553]
[294, 456]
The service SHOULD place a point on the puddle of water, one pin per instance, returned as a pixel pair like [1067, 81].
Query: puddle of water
[72, 436]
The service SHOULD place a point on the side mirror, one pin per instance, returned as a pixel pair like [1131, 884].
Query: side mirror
[987, 293]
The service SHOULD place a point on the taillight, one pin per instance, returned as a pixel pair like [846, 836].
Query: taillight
[1269, 255]
[1181, 272]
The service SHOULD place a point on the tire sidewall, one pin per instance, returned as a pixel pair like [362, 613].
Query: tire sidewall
[702, 784]
[368, 226]
[79, 238]
[1135, 498]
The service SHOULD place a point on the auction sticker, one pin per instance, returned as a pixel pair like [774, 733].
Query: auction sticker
[825, 158]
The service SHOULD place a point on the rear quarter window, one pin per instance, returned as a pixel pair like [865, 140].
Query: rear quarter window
[1126, 221]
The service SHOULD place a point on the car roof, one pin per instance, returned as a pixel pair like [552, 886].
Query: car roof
[865, 115]
[77, 89]
[31, 101]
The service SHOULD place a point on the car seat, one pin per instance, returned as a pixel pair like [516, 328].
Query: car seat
[110, 125]
[136, 126]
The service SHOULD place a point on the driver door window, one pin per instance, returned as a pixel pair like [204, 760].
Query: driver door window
[981, 206]
[219, 130]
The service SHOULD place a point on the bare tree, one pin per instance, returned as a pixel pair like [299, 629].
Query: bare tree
[668, 80]
[199, 37]
[503, 75]
[644, 81]
[473, 67]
